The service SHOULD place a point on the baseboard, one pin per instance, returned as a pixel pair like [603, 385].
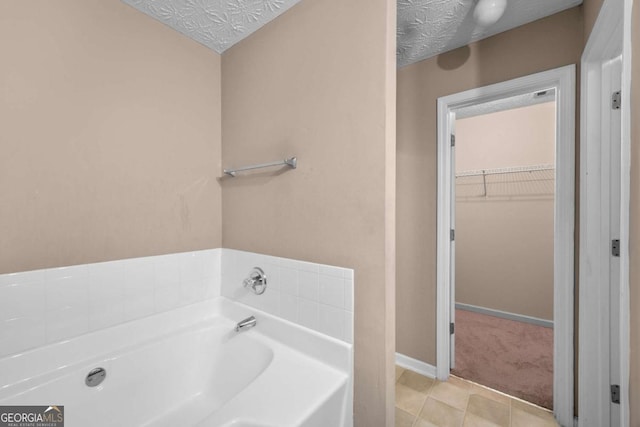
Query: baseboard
[415, 365]
[505, 315]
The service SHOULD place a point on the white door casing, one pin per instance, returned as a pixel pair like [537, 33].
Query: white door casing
[452, 302]
[563, 80]
[604, 216]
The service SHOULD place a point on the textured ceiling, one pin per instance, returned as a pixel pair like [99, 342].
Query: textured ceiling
[425, 27]
[217, 24]
[503, 104]
[429, 27]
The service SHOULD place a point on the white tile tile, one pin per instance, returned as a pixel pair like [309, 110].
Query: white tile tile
[272, 271]
[192, 291]
[288, 281]
[108, 314]
[308, 313]
[235, 267]
[72, 291]
[138, 306]
[348, 327]
[191, 266]
[167, 298]
[289, 307]
[348, 294]
[302, 266]
[22, 277]
[21, 300]
[106, 296]
[211, 260]
[139, 277]
[329, 270]
[249, 298]
[331, 321]
[167, 291]
[138, 287]
[67, 323]
[19, 334]
[348, 273]
[308, 286]
[332, 290]
[104, 268]
[270, 302]
[66, 272]
[212, 288]
[167, 272]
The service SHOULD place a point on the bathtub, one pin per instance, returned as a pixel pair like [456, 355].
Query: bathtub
[188, 367]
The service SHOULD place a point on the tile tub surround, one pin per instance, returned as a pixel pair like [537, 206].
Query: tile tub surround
[40, 307]
[317, 296]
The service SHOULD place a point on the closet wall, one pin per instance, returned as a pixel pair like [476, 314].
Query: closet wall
[504, 239]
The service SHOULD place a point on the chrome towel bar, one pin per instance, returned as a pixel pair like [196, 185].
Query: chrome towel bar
[291, 162]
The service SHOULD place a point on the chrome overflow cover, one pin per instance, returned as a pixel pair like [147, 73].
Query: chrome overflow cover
[95, 377]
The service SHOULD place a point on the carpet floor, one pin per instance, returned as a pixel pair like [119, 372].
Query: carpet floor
[513, 357]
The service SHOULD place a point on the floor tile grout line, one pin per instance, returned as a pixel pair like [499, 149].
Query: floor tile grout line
[423, 403]
[468, 392]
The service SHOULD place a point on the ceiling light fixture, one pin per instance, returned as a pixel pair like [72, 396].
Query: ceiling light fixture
[488, 12]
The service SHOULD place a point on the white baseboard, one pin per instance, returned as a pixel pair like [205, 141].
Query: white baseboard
[415, 365]
[505, 315]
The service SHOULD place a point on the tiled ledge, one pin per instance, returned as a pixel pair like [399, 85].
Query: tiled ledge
[316, 296]
[44, 306]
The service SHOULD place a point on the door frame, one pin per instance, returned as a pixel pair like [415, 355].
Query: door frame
[563, 80]
[609, 39]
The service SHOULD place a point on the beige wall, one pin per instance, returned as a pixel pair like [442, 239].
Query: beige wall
[591, 9]
[110, 136]
[541, 45]
[314, 85]
[517, 137]
[504, 242]
[634, 235]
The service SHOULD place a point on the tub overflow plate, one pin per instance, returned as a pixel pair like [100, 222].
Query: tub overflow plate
[95, 377]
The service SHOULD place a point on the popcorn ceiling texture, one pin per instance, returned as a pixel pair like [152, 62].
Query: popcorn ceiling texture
[425, 27]
[217, 24]
[429, 27]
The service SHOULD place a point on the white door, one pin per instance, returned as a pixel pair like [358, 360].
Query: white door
[452, 360]
[612, 132]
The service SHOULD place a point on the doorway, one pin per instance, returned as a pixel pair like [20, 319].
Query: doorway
[561, 83]
[504, 212]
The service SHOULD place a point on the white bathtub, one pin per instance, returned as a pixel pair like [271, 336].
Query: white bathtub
[188, 367]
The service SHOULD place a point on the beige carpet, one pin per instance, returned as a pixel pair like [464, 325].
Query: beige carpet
[513, 357]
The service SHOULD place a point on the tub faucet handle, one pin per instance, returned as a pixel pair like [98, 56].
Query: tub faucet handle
[257, 281]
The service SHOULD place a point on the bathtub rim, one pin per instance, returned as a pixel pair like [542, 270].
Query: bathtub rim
[55, 358]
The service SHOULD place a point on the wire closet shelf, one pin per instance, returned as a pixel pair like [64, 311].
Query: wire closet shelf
[534, 180]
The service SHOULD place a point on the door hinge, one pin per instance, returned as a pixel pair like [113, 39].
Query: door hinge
[453, 140]
[452, 234]
[615, 247]
[452, 328]
[615, 393]
[616, 100]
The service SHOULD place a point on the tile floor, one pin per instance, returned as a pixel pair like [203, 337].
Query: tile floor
[425, 402]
